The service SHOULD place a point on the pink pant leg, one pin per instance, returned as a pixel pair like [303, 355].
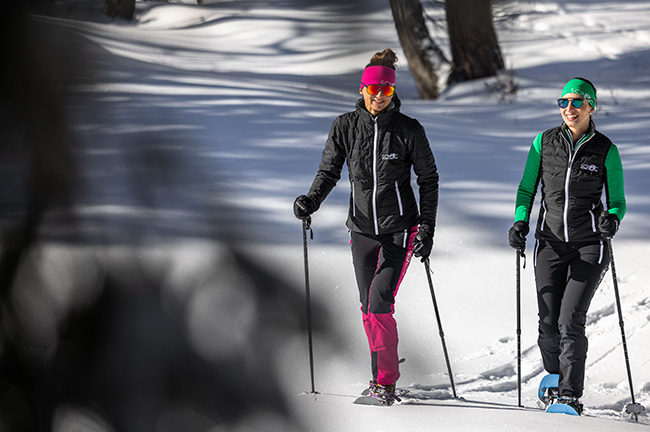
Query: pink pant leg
[381, 330]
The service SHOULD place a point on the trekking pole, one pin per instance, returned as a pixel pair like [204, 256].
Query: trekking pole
[442, 334]
[634, 408]
[306, 226]
[520, 253]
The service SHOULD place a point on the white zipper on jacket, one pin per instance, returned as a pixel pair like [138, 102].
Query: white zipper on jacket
[374, 176]
[565, 216]
[572, 154]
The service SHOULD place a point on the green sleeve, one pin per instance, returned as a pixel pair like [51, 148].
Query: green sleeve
[529, 181]
[615, 193]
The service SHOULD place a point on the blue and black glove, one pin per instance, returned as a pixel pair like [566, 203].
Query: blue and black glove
[517, 235]
[423, 242]
[608, 224]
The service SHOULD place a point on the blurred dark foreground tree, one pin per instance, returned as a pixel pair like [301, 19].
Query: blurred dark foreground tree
[122, 9]
[94, 335]
[113, 9]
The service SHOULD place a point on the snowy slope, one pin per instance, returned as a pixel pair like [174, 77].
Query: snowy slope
[257, 86]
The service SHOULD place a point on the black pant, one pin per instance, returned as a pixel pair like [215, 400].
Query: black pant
[567, 277]
[380, 263]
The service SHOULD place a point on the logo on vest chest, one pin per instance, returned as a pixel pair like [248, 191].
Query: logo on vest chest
[389, 156]
[589, 167]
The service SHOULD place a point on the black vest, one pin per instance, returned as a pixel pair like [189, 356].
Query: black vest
[572, 186]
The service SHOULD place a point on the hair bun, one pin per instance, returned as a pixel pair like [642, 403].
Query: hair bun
[386, 58]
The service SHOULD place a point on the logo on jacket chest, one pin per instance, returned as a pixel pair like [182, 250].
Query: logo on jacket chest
[389, 156]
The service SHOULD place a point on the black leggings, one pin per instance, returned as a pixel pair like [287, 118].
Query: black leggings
[567, 277]
[380, 263]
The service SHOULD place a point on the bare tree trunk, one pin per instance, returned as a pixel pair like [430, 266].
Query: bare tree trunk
[122, 9]
[474, 47]
[423, 55]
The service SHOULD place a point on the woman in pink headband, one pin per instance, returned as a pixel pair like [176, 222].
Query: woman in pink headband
[380, 146]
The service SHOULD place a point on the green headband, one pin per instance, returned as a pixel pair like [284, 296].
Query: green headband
[581, 88]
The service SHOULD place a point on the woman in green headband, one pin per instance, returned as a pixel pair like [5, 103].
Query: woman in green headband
[574, 163]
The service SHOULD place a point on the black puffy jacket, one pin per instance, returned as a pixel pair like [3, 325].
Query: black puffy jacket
[380, 152]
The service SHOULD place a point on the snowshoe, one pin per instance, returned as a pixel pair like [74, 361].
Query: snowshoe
[566, 405]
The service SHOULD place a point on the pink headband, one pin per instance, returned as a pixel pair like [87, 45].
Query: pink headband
[381, 75]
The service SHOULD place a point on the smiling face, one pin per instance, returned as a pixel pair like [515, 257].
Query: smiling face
[576, 119]
[375, 104]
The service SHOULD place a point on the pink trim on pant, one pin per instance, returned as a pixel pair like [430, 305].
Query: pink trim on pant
[407, 260]
[381, 330]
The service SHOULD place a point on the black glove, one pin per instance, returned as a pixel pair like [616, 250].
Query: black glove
[304, 206]
[608, 224]
[423, 242]
[517, 235]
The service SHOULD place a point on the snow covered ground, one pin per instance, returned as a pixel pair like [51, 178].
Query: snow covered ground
[252, 88]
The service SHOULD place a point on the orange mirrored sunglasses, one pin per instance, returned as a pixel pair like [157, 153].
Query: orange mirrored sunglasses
[373, 89]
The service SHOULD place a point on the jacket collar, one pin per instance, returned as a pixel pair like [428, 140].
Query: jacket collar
[567, 133]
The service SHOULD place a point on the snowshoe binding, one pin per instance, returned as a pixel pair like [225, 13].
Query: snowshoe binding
[566, 405]
[377, 394]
